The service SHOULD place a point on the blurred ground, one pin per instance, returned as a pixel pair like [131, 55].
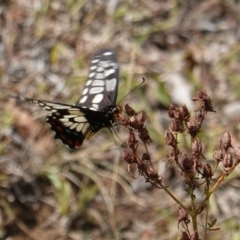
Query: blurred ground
[179, 47]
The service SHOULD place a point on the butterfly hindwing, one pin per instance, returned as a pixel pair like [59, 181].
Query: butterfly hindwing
[102, 83]
[67, 121]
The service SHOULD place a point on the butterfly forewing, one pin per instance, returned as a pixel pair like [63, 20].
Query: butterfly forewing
[95, 110]
[102, 83]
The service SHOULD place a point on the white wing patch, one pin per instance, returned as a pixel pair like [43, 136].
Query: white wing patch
[98, 98]
[85, 91]
[98, 83]
[88, 82]
[111, 84]
[109, 72]
[107, 53]
[80, 119]
[95, 90]
[83, 100]
[92, 74]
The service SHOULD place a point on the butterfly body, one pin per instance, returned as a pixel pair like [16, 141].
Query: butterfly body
[96, 108]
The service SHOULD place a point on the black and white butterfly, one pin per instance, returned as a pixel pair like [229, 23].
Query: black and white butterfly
[96, 108]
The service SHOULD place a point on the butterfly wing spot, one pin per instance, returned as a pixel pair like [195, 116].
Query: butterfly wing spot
[85, 91]
[111, 84]
[94, 107]
[100, 76]
[93, 67]
[59, 128]
[95, 61]
[96, 90]
[92, 74]
[63, 120]
[83, 100]
[88, 83]
[73, 126]
[67, 124]
[98, 83]
[83, 128]
[108, 53]
[69, 116]
[80, 119]
[109, 72]
[100, 69]
[104, 64]
[98, 98]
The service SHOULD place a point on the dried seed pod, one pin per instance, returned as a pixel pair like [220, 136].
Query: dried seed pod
[207, 171]
[218, 155]
[146, 156]
[177, 126]
[178, 114]
[127, 156]
[132, 141]
[193, 127]
[182, 216]
[184, 236]
[141, 118]
[187, 163]
[205, 101]
[185, 112]
[237, 153]
[129, 110]
[171, 110]
[226, 140]
[196, 147]
[170, 139]
[227, 162]
[144, 135]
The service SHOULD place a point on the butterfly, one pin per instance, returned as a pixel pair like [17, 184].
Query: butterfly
[96, 109]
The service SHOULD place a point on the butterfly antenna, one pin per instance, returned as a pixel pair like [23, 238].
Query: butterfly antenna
[143, 81]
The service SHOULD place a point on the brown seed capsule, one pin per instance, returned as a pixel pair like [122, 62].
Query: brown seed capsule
[196, 147]
[187, 163]
[178, 114]
[184, 236]
[152, 173]
[170, 139]
[207, 171]
[185, 112]
[218, 155]
[226, 140]
[144, 135]
[205, 101]
[146, 156]
[237, 153]
[192, 127]
[176, 126]
[171, 110]
[227, 162]
[199, 117]
[132, 142]
[129, 110]
[127, 156]
[182, 215]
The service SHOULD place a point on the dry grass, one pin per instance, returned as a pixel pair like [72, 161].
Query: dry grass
[179, 47]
